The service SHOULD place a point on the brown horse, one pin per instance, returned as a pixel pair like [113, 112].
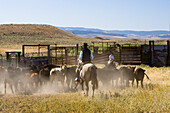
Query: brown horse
[87, 74]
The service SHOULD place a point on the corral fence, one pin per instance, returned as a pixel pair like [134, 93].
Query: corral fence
[153, 55]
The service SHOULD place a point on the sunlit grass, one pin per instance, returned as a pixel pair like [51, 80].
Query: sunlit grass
[155, 97]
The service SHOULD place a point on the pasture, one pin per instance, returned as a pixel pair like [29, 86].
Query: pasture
[154, 97]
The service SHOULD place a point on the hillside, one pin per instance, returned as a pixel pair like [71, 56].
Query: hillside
[15, 35]
[117, 34]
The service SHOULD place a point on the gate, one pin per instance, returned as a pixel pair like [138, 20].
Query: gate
[13, 58]
[60, 55]
[130, 54]
[156, 55]
[35, 54]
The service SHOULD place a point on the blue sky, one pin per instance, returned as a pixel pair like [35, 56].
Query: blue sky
[102, 14]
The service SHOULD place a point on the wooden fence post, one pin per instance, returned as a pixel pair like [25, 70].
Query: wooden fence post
[48, 54]
[19, 59]
[76, 53]
[55, 53]
[23, 50]
[39, 50]
[168, 53]
[66, 54]
[151, 51]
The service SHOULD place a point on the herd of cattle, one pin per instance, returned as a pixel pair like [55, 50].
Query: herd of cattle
[32, 78]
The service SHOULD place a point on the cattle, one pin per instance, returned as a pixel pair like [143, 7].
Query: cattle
[44, 73]
[70, 74]
[15, 79]
[56, 75]
[139, 76]
[106, 76]
[127, 74]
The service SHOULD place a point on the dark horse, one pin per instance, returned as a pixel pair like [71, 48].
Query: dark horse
[87, 74]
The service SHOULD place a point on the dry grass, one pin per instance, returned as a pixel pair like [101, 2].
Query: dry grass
[155, 97]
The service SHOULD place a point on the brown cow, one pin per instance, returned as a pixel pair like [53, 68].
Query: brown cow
[139, 76]
[127, 74]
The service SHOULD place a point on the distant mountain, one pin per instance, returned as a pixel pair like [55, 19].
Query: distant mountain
[92, 32]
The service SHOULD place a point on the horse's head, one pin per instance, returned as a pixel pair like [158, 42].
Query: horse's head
[111, 64]
[78, 69]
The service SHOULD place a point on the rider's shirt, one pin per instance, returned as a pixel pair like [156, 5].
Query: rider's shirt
[111, 57]
[86, 55]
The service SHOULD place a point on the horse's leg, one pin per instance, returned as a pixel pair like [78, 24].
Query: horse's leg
[93, 87]
[82, 84]
[76, 85]
[87, 88]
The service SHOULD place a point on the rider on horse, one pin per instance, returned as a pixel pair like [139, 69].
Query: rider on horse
[85, 56]
[111, 63]
[111, 58]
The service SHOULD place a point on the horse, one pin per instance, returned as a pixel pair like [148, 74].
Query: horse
[87, 74]
[111, 64]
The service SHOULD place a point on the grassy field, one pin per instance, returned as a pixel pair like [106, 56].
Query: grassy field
[155, 97]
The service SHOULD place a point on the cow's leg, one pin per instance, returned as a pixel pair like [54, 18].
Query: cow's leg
[5, 86]
[122, 82]
[137, 82]
[16, 87]
[10, 85]
[87, 88]
[132, 82]
[116, 83]
[127, 82]
[142, 83]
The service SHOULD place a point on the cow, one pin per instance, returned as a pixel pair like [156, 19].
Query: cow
[139, 76]
[56, 75]
[70, 74]
[127, 74]
[107, 76]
